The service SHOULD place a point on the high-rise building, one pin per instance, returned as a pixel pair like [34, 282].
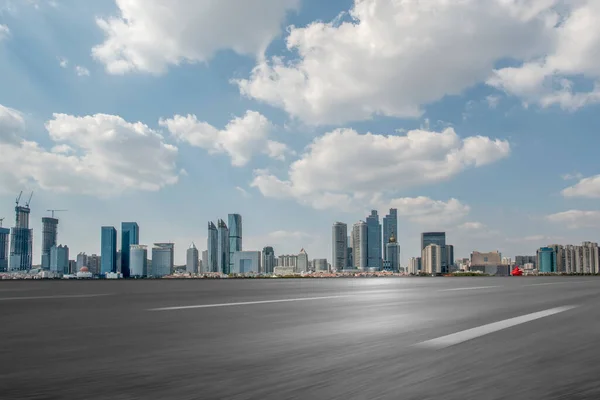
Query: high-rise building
[287, 260]
[393, 254]
[438, 238]
[49, 237]
[192, 260]
[522, 260]
[374, 260]
[359, 245]
[390, 227]
[339, 260]
[21, 241]
[81, 260]
[163, 259]
[212, 244]
[4, 249]
[130, 234]
[268, 260]
[245, 262]
[59, 259]
[138, 261]
[235, 235]
[204, 264]
[302, 264]
[414, 265]
[108, 250]
[320, 265]
[223, 247]
[449, 256]
[431, 259]
[93, 263]
[546, 260]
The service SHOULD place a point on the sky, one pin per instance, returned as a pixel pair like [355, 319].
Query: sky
[474, 118]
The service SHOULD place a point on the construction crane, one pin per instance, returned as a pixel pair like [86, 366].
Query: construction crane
[19, 198]
[53, 211]
[1, 219]
[29, 201]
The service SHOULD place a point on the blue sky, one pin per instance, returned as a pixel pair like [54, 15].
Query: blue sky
[477, 114]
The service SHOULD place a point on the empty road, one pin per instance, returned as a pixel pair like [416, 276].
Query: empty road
[377, 338]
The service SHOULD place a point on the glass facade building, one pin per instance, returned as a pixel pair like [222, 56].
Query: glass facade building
[235, 235]
[359, 245]
[268, 260]
[192, 258]
[21, 241]
[546, 260]
[222, 247]
[138, 261]
[108, 250]
[390, 227]
[49, 237]
[212, 246]
[130, 234]
[339, 259]
[244, 262]
[437, 238]
[59, 259]
[163, 258]
[4, 249]
[374, 260]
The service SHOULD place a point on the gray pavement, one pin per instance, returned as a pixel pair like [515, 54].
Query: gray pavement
[300, 339]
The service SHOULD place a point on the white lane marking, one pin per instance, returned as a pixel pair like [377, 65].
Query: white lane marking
[246, 303]
[469, 288]
[74, 296]
[459, 337]
[555, 283]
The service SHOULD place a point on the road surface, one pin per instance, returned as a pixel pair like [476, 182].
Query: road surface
[383, 338]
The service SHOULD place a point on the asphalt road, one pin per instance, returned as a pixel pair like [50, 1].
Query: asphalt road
[392, 338]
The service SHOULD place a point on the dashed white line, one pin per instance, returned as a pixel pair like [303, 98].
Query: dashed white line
[469, 288]
[555, 283]
[469, 334]
[73, 296]
[247, 303]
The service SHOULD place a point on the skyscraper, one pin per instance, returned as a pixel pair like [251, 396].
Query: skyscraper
[163, 258]
[204, 264]
[432, 259]
[108, 250]
[374, 260]
[393, 253]
[546, 260]
[21, 240]
[302, 264]
[130, 234]
[192, 260]
[339, 260]
[4, 251]
[449, 255]
[268, 260]
[438, 238]
[138, 261]
[222, 247]
[49, 237]
[235, 235]
[212, 246]
[390, 226]
[59, 259]
[359, 245]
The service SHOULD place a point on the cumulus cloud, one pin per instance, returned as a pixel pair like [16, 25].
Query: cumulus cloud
[101, 155]
[12, 125]
[573, 176]
[574, 51]
[586, 187]
[576, 219]
[392, 57]
[426, 211]
[4, 32]
[63, 62]
[150, 35]
[241, 138]
[82, 71]
[343, 166]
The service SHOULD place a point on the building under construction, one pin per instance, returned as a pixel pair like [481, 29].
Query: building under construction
[21, 238]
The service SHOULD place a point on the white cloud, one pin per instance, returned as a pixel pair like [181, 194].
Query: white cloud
[243, 192]
[426, 211]
[63, 62]
[150, 35]
[4, 32]
[101, 155]
[586, 187]
[492, 101]
[341, 167]
[12, 125]
[241, 139]
[573, 176]
[393, 57]
[576, 219]
[574, 51]
[82, 71]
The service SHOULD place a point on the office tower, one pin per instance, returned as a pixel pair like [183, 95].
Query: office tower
[192, 260]
[320, 265]
[414, 265]
[288, 260]
[204, 264]
[138, 261]
[438, 238]
[432, 259]
[72, 267]
[108, 250]
[268, 260]
[339, 260]
[235, 235]
[4, 249]
[350, 258]
[390, 227]
[81, 260]
[245, 262]
[119, 261]
[59, 259]
[21, 240]
[522, 260]
[546, 260]
[359, 245]
[49, 237]
[393, 253]
[130, 234]
[449, 256]
[93, 263]
[302, 263]
[374, 260]
[222, 247]
[213, 248]
[163, 259]
[560, 257]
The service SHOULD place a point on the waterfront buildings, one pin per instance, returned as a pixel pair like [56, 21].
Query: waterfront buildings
[4, 248]
[245, 262]
[339, 260]
[108, 250]
[130, 235]
[390, 227]
[163, 259]
[320, 265]
[359, 245]
[192, 260]
[222, 247]
[432, 259]
[393, 254]
[212, 245]
[235, 235]
[138, 261]
[49, 238]
[59, 260]
[21, 240]
[374, 260]
[302, 264]
[268, 260]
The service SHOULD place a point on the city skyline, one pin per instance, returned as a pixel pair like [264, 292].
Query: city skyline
[173, 138]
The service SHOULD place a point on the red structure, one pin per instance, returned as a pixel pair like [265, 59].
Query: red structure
[516, 271]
